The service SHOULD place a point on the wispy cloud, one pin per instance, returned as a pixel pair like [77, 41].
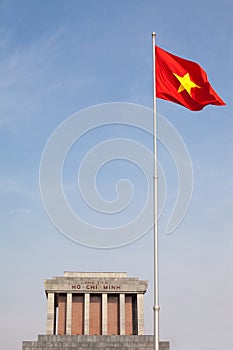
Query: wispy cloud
[17, 187]
[8, 186]
[23, 211]
[23, 72]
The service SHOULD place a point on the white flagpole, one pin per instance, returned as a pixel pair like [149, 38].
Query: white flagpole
[156, 279]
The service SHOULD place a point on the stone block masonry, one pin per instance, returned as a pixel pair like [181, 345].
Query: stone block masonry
[95, 310]
[96, 303]
[85, 342]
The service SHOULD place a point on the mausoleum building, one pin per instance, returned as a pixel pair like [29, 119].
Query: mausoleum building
[94, 310]
[94, 303]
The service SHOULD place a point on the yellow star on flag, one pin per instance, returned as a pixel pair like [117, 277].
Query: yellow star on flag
[186, 83]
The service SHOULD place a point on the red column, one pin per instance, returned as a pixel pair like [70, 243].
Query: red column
[77, 325]
[95, 314]
[113, 314]
[61, 327]
[128, 315]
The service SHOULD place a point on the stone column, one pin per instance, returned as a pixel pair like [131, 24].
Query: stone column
[140, 313]
[122, 314]
[50, 328]
[104, 314]
[86, 313]
[68, 313]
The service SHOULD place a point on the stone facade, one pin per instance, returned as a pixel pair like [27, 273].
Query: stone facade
[104, 303]
[95, 311]
[81, 342]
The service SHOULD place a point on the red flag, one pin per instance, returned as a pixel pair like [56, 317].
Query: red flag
[184, 82]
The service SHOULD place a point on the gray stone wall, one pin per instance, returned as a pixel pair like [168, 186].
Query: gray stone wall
[84, 342]
[95, 282]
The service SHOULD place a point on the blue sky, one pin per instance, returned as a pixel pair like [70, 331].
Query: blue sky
[58, 57]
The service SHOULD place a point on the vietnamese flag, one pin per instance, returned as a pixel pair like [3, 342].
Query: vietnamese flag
[185, 82]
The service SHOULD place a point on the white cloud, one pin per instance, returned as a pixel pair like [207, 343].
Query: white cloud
[24, 77]
[23, 211]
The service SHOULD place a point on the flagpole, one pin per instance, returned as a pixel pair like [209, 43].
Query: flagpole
[156, 279]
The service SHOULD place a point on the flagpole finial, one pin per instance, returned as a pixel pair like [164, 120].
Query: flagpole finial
[153, 34]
